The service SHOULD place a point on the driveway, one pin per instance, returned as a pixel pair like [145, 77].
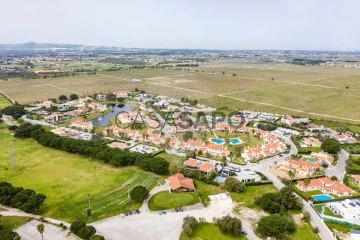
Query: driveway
[150, 225]
[340, 168]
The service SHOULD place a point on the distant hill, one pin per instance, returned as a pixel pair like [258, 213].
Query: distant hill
[35, 46]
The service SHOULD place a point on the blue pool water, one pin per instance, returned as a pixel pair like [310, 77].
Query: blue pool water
[219, 179]
[311, 159]
[322, 197]
[217, 141]
[234, 141]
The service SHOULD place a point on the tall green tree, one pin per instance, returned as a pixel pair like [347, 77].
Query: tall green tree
[41, 229]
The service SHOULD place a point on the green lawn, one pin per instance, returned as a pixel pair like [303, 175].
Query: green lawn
[319, 207]
[330, 213]
[247, 197]
[173, 159]
[4, 102]
[166, 200]
[209, 231]
[12, 222]
[305, 232]
[341, 227]
[67, 179]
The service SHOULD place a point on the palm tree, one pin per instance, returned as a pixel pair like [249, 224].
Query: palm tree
[306, 182]
[291, 174]
[41, 228]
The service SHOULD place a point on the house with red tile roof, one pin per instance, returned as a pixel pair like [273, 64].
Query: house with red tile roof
[326, 185]
[179, 183]
[87, 126]
[191, 163]
[345, 138]
[357, 179]
[263, 151]
[303, 168]
[206, 167]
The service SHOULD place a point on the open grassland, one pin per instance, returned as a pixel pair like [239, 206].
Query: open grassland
[4, 102]
[209, 231]
[166, 200]
[318, 92]
[67, 179]
[305, 232]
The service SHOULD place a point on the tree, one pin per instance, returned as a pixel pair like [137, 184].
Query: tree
[330, 145]
[63, 98]
[187, 135]
[139, 194]
[41, 229]
[229, 225]
[238, 149]
[306, 182]
[306, 216]
[74, 96]
[233, 185]
[189, 224]
[76, 226]
[9, 235]
[97, 237]
[334, 178]
[291, 174]
[276, 225]
[289, 200]
[86, 232]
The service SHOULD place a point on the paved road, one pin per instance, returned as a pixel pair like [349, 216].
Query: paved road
[340, 168]
[263, 166]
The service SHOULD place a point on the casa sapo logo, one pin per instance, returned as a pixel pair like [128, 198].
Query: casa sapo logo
[183, 120]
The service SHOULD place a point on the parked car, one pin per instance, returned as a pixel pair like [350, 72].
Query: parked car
[243, 232]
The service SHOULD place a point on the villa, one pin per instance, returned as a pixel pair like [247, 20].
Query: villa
[303, 168]
[243, 175]
[348, 208]
[263, 151]
[87, 126]
[201, 166]
[119, 145]
[323, 157]
[326, 185]
[316, 128]
[179, 183]
[357, 179]
[121, 94]
[289, 120]
[97, 107]
[344, 138]
[310, 142]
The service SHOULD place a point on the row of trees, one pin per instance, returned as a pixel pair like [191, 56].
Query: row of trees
[93, 149]
[83, 231]
[65, 98]
[26, 200]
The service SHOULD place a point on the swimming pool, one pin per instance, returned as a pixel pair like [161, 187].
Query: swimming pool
[219, 179]
[311, 160]
[235, 141]
[218, 141]
[322, 197]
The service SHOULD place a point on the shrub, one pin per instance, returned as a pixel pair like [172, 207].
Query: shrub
[330, 145]
[276, 225]
[139, 194]
[189, 224]
[76, 226]
[229, 225]
[234, 185]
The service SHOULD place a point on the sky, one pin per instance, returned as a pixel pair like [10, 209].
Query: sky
[200, 24]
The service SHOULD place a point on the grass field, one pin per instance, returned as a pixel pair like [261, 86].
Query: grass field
[209, 231]
[165, 200]
[4, 102]
[12, 222]
[305, 232]
[67, 179]
[246, 197]
[317, 92]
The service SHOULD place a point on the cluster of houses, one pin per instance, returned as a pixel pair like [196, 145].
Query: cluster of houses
[200, 146]
[72, 133]
[200, 166]
[326, 185]
[306, 166]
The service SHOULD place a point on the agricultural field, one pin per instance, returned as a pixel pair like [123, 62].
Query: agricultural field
[317, 92]
[68, 179]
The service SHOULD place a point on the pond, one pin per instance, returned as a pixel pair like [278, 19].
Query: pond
[105, 120]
